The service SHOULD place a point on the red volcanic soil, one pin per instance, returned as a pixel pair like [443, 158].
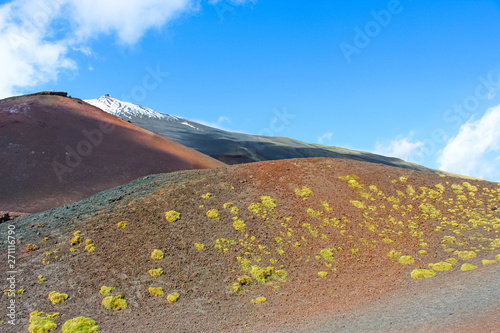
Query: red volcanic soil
[330, 244]
[56, 150]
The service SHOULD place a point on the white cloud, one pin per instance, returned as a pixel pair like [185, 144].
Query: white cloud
[34, 51]
[26, 57]
[401, 148]
[223, 119]
[216, 124]
[475, 151]
[129, 19]
[325, 139]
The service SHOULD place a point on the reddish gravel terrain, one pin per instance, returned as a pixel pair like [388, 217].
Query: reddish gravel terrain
[304, 245]
[56, 150]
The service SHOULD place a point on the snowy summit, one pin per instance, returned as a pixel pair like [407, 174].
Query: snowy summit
[125, 110]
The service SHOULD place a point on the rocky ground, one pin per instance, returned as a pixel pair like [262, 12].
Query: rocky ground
[324, 244]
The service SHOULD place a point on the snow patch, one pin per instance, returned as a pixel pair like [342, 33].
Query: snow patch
[126, 110]
[188, 124]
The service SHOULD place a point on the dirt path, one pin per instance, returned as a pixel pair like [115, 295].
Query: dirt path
[470, 304]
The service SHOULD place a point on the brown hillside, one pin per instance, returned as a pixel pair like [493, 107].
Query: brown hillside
[56, 150]
[332, 245]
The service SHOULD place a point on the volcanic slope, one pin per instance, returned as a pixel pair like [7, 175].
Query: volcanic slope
[232, 147]
[304, 245]
[56, 150]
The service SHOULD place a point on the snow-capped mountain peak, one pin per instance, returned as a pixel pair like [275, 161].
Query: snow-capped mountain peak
[126, 110]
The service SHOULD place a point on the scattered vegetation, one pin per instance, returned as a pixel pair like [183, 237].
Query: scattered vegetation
[156, 272]
[114, 302]
[76, 238]
[239, 225]
[323, 274]
[199, 246]
[213, 214]
[468, 267]
[106, 290]
[32, 247]
[441, 266]
[172, 216]
[80, 325]
[157, 255]
[259, 300]
[422, 273]
[57, 298]
[173, 297]
[156, 291]
[122, 225]
[89, 245]
[304, 192]
[406, 260]
[41, 322]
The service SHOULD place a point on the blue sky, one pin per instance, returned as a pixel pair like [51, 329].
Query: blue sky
[417, 80]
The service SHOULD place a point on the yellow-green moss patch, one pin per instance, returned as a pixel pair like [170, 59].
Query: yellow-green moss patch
[156, 291]
[17, 292]
[57, 298]
[89, 245]
[468, 267]
[206, 195]
[114, 302]
[156, 272]
[199, 246]
[327, 254]
[32, 247]
[76, 238]
[80, 325]
[236, 287]
[157, 255]
[466, 254]
[358, 204]
[259, 300]
[452, 261]
[422, 273]
[172, 216]
[41, 322]
[406, 260]
[122, 225]
[42, 278]
[263, 275]
[323, 274]
[106, 290]
[173, 297]
[304, 192]
[213, 214]
[239, 225]
[393, 254]
[441, 266]
[244, 280]
[489, 262]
